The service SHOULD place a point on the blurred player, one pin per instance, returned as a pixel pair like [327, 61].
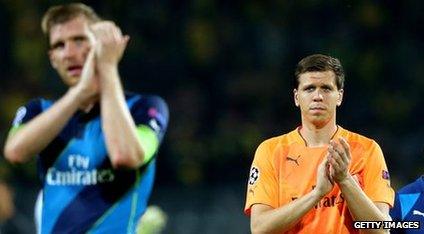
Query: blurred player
[96, 144]
[319, 177]
[7, 208]
[409, 206]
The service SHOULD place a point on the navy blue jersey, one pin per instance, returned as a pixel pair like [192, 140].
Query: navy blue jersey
[409, 206]
[82, 193]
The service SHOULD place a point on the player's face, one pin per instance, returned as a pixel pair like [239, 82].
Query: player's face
[69, 47]
[318, 97]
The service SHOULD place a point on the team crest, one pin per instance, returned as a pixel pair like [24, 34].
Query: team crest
[254, 175]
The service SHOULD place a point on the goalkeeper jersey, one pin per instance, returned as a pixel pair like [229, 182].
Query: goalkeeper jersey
[81, 191]
[284, 169]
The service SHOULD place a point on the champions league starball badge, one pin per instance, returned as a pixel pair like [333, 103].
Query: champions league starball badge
[254, 175]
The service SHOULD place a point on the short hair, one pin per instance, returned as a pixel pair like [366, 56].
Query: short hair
[63, 13]
[320, 63]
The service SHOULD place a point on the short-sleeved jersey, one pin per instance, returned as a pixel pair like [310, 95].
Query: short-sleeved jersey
[409, 206]
[285, 169]
[82, 192]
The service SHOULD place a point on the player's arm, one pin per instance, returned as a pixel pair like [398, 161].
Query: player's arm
[29, 139]
[360, 205]
[265, 219]
[124, 150]
[151, 116]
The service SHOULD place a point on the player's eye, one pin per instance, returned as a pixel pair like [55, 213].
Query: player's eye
[327, 89]
[80, 40]
[57, 45]
[309, 89]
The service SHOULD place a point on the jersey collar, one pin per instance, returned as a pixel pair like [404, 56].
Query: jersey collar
[299, 138]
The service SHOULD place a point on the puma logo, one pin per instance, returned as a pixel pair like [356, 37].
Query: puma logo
[417, 212]
[294, 160]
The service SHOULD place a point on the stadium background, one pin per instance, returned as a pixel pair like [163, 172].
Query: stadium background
[225, 68]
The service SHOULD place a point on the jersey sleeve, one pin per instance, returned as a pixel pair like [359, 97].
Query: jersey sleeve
[262, 187]
[24, 114]
[151, 118]
[376, 177]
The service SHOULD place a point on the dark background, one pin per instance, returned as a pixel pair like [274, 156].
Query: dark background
[225, 69]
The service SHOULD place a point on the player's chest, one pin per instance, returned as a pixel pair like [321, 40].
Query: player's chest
[85, 147]
[299, 163]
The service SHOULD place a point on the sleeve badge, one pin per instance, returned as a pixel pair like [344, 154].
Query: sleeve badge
[253, 175]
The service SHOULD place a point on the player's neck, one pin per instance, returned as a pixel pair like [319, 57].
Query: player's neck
[318, 136]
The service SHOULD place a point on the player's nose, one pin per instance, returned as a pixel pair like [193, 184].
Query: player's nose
[70, 50]
[317, 95]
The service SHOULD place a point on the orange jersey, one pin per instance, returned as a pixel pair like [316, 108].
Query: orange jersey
[284, 169]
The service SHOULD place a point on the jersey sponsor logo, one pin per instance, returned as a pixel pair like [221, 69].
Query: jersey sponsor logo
[254, 175]
[20, 114]
[78, 177]
[417, 212]
[329, 201]
[293, 160]
[79, 173]
[78, 161]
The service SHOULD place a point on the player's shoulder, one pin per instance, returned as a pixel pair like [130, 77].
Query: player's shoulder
[30, 109]
[150, 105]
[283, 140]
[358, 139]
[144, 99]
[37, 105]
[415, 187]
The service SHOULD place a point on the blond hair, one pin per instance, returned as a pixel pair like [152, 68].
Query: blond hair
[63, 13]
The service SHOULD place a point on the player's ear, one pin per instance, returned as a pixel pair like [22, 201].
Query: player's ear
[340, 98]
[295, 97]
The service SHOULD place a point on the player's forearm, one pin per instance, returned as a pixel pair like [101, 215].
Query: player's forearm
[118, 126]
[34, 136]
[360, 206]
[285, 217]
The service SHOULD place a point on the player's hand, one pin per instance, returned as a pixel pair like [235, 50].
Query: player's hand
[339, 160]
[88, 85]
[111, 43]
[324, 184]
